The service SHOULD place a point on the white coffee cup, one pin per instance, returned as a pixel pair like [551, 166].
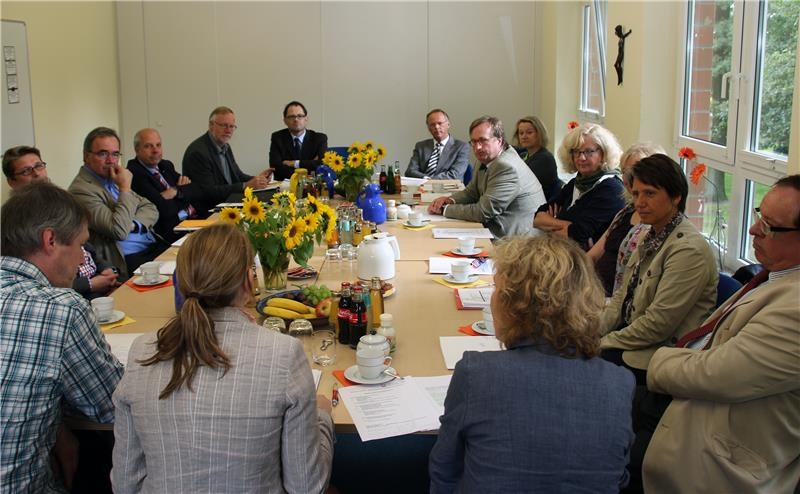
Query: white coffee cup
[150, 272]
[466, 244]
[459, 270]
[403, 211]
[103, 308]
[371, 363]
[415, 218]
[488, 320]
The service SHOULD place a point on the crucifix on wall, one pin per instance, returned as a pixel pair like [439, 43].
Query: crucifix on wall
[619, 64]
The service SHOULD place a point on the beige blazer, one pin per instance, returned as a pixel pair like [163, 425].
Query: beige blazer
[677, 290]
[734, 422]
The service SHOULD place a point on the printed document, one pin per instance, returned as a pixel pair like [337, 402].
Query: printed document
[453, 347]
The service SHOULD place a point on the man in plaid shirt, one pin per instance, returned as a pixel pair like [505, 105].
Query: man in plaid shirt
[53, 353]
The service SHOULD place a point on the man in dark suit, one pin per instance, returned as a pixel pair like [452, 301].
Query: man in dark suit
[296, 146]
[209, 161]
[156, 179]
[443, 157]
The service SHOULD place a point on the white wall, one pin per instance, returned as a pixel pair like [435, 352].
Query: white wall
[364, 70]
[74, 77]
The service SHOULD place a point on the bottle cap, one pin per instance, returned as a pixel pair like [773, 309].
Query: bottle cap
[386, 319]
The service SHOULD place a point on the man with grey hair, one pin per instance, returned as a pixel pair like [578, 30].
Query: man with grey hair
[504, 194]
[443, 156]
[53, 352]
[121, 221]
[209, 161]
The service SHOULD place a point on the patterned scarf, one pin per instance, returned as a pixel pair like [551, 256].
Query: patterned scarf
[650, 245]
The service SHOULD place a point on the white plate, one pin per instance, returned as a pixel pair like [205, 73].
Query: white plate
[457, 251]
[406, 223]
[479, 327]
[351, 373]
[139, 281]
[116, 316]
[470, 279]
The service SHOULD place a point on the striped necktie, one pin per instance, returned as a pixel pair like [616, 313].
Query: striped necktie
[434, 159]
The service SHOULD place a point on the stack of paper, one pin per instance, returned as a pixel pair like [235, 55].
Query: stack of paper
[473, 298]
[462, 232]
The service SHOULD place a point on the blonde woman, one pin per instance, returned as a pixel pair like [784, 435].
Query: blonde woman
[546, 414]
[612, 251]
[531, 134]
[584, 208]
[213, 402]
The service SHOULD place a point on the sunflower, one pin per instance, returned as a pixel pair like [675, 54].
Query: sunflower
[294, 233]
[354, 148]
[230, 215]
[370, 158]
[312, 204]
[253, 210]
[311, 221]
[248, 192]
[367, 146]
[354, 160]
[381, 152]
[284, 200]
[329, 220]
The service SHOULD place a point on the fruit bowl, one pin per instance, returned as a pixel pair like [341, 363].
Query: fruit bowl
[317, 322]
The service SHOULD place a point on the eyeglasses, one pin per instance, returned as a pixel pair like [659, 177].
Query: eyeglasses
[482, 141]
[225, 126]
[767, 229]
[586, 153]
[294, 117]
[28, 171]
[103, 155]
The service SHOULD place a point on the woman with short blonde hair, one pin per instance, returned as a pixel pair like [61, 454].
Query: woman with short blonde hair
[531, 134]
[546, 414]
[214, 402]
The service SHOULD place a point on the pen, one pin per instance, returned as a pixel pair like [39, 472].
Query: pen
[335, 395]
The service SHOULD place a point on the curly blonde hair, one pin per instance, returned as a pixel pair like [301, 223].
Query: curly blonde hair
[548, 290]
[606, 141]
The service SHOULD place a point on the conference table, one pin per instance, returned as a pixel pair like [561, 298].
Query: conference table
[423, 309]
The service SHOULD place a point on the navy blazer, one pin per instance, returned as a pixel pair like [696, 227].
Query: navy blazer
[529, 420]
[281, 147]
[201, 165]
[148, 186]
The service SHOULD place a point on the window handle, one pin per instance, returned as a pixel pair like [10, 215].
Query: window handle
[723, 90]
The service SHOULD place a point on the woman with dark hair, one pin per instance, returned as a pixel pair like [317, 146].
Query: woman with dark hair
[584, 208]
[546, 414]
[531, 134]
[670, 282]
[213, 402]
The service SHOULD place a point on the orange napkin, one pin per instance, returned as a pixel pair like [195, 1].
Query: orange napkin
[468, 330]
[148, 288]
[482, 253]
[196, 224]
[339, 375]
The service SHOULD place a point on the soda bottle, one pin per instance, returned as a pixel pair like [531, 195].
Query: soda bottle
[358, 317]
[398, 183]
[345, 304]
[376, 301]
[390, 181]
[382, 178]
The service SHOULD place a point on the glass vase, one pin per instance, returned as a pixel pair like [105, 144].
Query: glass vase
[351, 187]
[275, 276]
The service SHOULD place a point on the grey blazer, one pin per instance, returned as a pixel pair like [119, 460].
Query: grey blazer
[111, 220]
[503, 195]
[453, 160]
[255, 428]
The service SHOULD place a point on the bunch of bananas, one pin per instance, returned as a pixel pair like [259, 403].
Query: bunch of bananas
[289, 309]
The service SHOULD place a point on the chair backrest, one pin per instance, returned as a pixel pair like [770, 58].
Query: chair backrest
[468, 174]
[746, 272]
[340, 150]
[553, 190]
[726, 287]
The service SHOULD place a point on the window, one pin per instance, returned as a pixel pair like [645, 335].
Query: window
[593, 55]
[738, 83]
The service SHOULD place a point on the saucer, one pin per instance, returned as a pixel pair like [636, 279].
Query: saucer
[351, 373]
[475, 251]
[406, 223]
[479, 327]
[470, 279]
[116, 316]
[139, 280]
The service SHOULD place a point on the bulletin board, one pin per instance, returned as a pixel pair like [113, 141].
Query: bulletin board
[17, 109]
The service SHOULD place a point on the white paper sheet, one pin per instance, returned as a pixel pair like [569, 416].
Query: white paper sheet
[462, 232]
[441, 265]
[180, 241]
[392, 409]
[453, 347]
[435, 389]
[475, 297]
[121, 344]
[317, 376]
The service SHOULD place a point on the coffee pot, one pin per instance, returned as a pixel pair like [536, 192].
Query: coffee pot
[376, 256]
[369, 200]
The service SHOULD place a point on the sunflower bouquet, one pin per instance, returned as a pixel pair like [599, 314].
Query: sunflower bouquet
[358, 166]
[284, 228]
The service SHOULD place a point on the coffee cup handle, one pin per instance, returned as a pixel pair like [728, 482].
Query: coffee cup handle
[387, 361]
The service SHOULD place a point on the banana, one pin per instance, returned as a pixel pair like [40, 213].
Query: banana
[293, 305]
[284, 313]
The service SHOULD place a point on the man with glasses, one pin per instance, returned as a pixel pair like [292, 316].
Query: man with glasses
[504, 194]
[443, 157]
[209, 161]
[296, 146]
[23, 165]
[734, 421]
[121, 221]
